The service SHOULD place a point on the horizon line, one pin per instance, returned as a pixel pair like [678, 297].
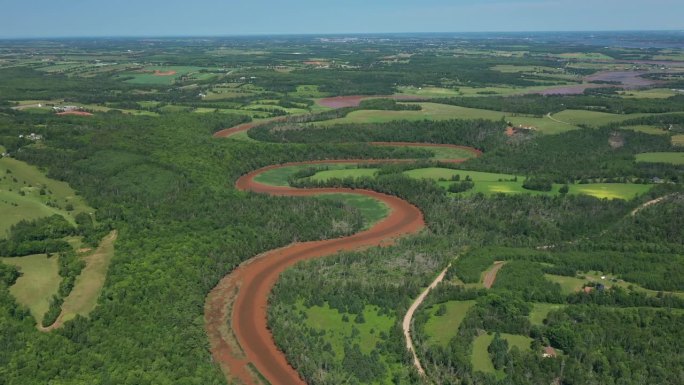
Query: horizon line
[312, 34]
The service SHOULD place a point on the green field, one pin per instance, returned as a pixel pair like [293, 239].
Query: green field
[541, 310]
[480, 358]
[661, 157]
[624, 191]
[493, 183]
[440, 329]
[337, 330]
[83, 298]
[38, 283]
[372, 210]
[651, 130]
[592, 118]
[678, 140]
[344, 173]
[654, 93]
[149, 78]
[25, 179]
[568, 285]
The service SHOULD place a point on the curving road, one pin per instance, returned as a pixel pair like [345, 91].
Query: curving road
[241, 298]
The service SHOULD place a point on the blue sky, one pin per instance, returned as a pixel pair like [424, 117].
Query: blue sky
[42, 18]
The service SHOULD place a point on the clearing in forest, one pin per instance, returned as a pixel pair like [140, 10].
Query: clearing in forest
[38, 282]
[440, 329]
[86, 291]
[661, 157]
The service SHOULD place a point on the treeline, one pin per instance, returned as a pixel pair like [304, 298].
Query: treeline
[540, 105]
[39, 236]
[481, 134]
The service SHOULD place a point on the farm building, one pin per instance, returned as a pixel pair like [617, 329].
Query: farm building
[549, 352]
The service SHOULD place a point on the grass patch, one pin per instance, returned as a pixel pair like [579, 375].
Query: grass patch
[372, 210]
[592, 118]
[337, 330]
[568, 285]
[541, 310]
[39, 281]
[344, 173]
[651, 130]
[27, 193]
[83, 298]
[440, 329]
[624, 191]
[654, 93]
[661, 157]
[678, 140]
[480, 358]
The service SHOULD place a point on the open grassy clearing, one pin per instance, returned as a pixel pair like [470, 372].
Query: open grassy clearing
[480, 358]
[372, 210]
[440, 329]
[308, 91]
[678, 140]
[654, 93]
[149, 78]
[344, 173]
[661, 157]
[493, 183]
[592, 118]
[26, 193]
[38, 283]
[584, 56]
[337, 330]
[541, 310]
[83, 298]
[651, 130]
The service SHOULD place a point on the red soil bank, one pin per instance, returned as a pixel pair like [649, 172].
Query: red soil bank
[490, 276]
[255, 278]
[167, 73]
[76, 113]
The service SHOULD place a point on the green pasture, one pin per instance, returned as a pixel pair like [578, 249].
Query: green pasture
[653, 93]
[39, 281]
[308, 91]
[480, 358]
[83, 298]
[149, 78]
[17, 178]
[440, 329]
[540, 311]
[678, 140]
[624, 191]
[493, 183]
[344, 173]
[651, 130]
[661, 157]
[337, 330]
[372, 210]
[592, 118]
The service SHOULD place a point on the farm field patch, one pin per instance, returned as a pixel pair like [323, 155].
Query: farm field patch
[26, 193]
[661, 157]
[38, 283]
[480, 356]
[440, 329]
